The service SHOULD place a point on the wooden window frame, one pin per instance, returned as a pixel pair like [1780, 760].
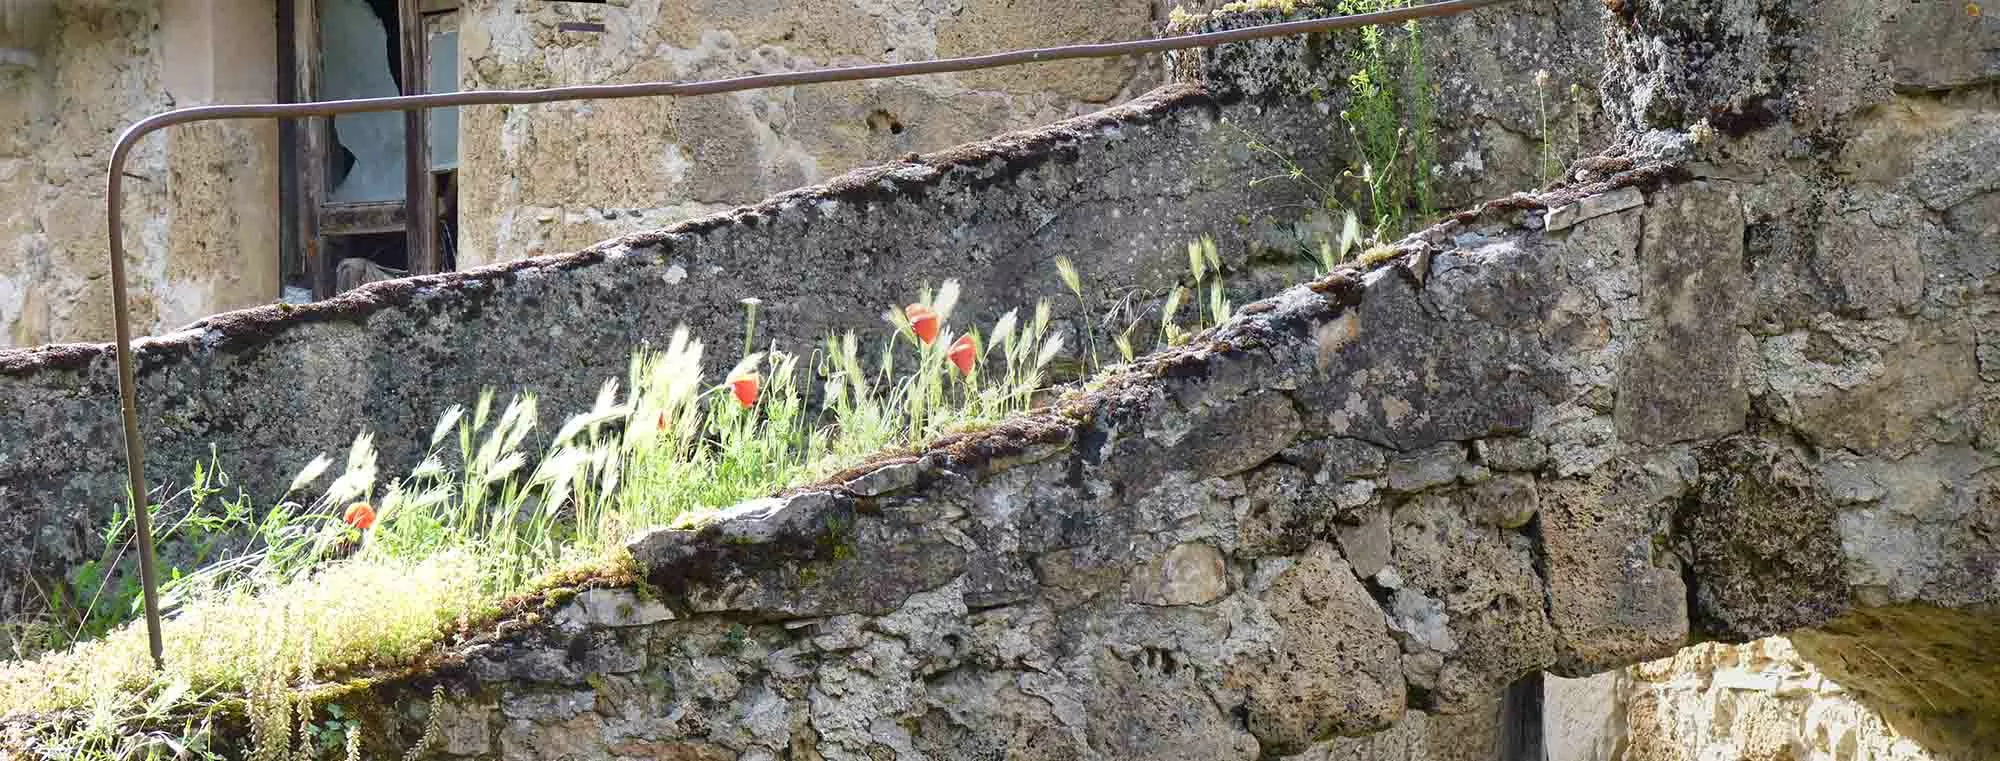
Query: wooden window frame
[309, 218]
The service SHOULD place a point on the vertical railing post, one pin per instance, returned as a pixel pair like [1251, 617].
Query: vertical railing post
[128, 399]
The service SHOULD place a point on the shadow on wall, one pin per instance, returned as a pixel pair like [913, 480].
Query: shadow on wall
[1933, 673]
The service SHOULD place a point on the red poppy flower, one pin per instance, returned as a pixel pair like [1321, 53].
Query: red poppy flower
[359, 515]
[923, 322]
[661, 427]
[963, 352]
[745, 388]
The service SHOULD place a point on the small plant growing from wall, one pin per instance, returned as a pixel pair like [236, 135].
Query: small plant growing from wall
[1555, 151]
[1390, 118]
[375, 569]
[1389, 121]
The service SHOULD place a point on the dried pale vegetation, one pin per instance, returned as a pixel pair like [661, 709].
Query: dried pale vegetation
[324, 591]
[376, 572]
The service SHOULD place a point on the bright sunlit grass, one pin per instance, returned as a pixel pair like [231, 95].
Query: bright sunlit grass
[375, 571]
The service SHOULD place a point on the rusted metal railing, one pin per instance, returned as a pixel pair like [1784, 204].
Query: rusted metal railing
[135, 450]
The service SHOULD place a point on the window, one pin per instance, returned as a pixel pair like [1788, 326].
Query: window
[351, 199]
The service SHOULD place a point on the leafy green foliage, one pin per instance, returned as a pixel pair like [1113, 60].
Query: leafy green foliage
[1390, 118]
[103, 593]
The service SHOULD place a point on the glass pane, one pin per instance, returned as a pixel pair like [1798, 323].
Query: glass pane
[358, 50]
[444, 121]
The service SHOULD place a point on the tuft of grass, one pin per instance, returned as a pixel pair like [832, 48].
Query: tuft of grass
[1390, 120]
[1377, 255]
[481, 519]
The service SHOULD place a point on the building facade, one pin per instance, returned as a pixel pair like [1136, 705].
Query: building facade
[224, 215]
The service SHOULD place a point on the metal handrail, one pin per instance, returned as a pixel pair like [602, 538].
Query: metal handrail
[135, 448]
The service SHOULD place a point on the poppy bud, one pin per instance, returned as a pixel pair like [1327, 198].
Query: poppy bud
[745, 388]
[923, 322]
[359, 515]
[963, 352]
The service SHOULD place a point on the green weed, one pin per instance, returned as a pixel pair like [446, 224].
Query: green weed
[316, 595]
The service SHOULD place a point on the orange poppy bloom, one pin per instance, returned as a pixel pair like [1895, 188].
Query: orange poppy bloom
[923, 322]
[964, 352]
[359, 515]
[745, 388]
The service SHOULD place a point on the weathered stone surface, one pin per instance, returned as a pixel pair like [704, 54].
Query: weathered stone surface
[1390, 381]
[1780, 568]
[544, 706]
[1928, 671]
[989, 26]
[1118, 194]
[1622, 598]
[1714, 399]
[241, 381]
[1189, 574]
[1334, 669]
[1511, 453]
[1760, 700]
[885, 479]
[1885, 387]
[1229, 440]
[465, 729]
[533, 181]
[1470, 598]
[1940, 46]
[1917, 530]
[1282, 510]
[1489, 116]
[1591, 207]
[1436, 466]
[1683, 377]
[612, 608]
[1508, 502]
[201, 225]
[1583, 719]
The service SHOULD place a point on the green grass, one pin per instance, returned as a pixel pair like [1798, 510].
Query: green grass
[1389, 121]
[312, 600]
[1390, 118]
[480, 519]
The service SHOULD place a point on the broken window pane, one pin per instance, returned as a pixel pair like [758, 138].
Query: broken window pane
[357, 60]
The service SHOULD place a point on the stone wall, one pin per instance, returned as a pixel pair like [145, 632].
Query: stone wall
[547, 178]
[1735, 392]
[1759, 700]
[1730, 383]
[201, 219]
[1301, 536]
[1120, 192]
[561, 176]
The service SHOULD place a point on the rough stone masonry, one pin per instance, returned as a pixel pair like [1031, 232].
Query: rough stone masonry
[1733, 379]
[1277, 542]
[1120, 192]
[1730, 382]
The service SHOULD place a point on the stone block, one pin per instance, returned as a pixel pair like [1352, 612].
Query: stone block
[1334, 669]
[1591, 207]
[1188, 574]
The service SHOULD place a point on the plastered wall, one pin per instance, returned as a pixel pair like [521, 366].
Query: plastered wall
[201, 224]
